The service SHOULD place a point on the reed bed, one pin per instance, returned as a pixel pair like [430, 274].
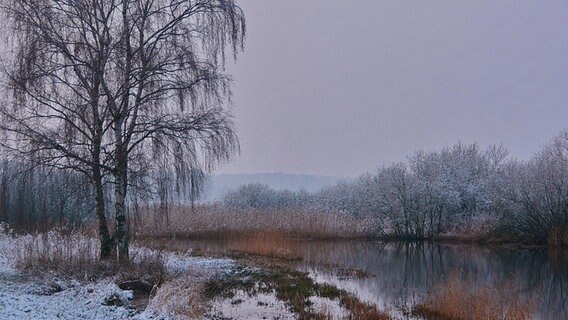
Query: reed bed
[215, 220]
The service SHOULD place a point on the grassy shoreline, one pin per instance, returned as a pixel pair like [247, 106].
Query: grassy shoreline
[172, 284]
[181, 286]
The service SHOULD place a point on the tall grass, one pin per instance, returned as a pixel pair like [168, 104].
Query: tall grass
[65, 252]
[460, 300]
[74, 254]
[68, 253]
[215, 220]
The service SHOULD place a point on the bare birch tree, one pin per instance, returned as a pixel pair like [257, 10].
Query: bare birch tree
[115, 88]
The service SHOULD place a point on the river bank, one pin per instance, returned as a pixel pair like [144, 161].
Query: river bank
[269, 275]
[397, 277]
[42, 275]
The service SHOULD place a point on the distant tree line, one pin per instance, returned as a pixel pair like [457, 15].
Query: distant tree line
[34, 199]
[461, 190]
[37, 199]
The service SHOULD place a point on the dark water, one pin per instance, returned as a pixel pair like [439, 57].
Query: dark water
[402, 274]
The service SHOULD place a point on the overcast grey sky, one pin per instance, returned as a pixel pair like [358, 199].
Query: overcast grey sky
[340, 87]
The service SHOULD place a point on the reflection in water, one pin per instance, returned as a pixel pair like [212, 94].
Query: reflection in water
[403, 273]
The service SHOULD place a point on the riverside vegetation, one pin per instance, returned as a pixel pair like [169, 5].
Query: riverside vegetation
[113, 114]
[462, 193]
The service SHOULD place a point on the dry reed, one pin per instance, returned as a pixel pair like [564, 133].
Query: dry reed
[71, 253]
[214, 220]
[75, 255]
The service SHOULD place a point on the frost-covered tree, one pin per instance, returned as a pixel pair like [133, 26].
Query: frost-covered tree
[463, 189]
[457, 184]
[253, 195]
[539, 194]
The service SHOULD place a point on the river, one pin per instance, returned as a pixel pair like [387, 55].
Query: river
[398, 275]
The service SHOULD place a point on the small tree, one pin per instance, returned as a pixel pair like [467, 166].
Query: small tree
[118, 88]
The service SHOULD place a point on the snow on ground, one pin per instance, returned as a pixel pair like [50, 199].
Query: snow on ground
[21, 299]
[180, 263]
[46, 297]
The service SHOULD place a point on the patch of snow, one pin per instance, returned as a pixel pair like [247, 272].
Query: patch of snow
[178, 263]
[19, 300]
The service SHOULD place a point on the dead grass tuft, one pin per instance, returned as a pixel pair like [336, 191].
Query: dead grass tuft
[73, 253]
[180, 298]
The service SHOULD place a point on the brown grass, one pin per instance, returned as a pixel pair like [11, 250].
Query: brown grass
[458, 300]
[215, 220]
[293, 287]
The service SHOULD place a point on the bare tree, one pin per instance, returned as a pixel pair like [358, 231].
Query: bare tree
[117, 88]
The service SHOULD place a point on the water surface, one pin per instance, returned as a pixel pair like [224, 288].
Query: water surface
[401, 274]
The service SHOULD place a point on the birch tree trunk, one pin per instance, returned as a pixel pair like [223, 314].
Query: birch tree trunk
[121, 182]
[121, 227]
[104, 235]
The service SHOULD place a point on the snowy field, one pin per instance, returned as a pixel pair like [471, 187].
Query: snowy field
[48, 296]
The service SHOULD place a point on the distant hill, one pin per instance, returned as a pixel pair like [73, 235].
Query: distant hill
[219, 184]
